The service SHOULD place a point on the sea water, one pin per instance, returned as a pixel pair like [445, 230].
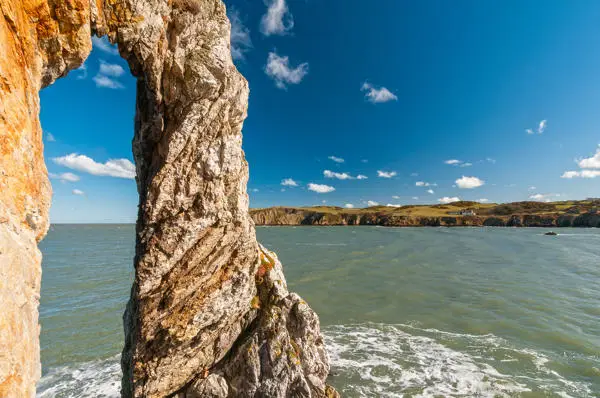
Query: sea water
[406, 312]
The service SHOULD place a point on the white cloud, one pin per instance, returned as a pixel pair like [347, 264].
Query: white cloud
[453, 161]
[102, 43]
[424, 184]
[278, 20]
[393, 205]
[490, 160]
[349, 206]
[106, 82]
[581, 174]
[278, 68]
[445, 200]
[586, 164]
[532, 188]
[371, 203]
[361, 177]
[339, 176]
[377, 95]
[288, 182]
[540, 129]
[415, 198]
[78, 192]
[483, 200]
[335, 159]
[121, 168]
[591, 163]
[544, 197]
[469, 182]
[395, 197]
[320, 188]
[255, 190]
[113, 70]
[65, 177]
[50, 137]
[386, 174]
[240, 36]
[430, 191]
[467, 164]
[83, 70]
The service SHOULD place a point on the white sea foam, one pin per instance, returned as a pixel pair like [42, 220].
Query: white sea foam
[379, 360]
[98, 379]
[394, 360]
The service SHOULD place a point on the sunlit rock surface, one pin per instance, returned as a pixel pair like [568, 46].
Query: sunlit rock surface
[208, 315]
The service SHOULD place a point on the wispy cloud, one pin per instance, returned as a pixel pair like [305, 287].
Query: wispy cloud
[377, 95]
[349, 206]
[469, 182]
[320, 188]
[278, 68]
[240, 35]
[361, 177]
[121, 168]
[540, 129]
[590, 167]
[386, 174]
[81, 72]
[581, 174]
[372, 203]
[64, 177]
[453, 162]
[102, 44]
[445, 200]
[278, 20]
[109, 69]
[430, 191]
[425, 184]
[106, 82]
[78, 192]
[288, 182]
[393, 205]
[483, 200]
[50, 137]
[458, 163]
[339, 176]
[335, 159]
[544, 197]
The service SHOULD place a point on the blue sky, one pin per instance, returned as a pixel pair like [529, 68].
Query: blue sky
[430, 101]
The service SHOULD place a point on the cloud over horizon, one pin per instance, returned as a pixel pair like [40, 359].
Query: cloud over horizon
[120, 168]
[320, 188]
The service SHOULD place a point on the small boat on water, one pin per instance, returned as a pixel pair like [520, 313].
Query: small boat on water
[551, 233]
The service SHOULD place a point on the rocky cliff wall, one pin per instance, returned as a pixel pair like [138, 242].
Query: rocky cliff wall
[209, 313]
[294, 216]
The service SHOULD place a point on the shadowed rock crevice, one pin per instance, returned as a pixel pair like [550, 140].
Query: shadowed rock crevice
[199, 272]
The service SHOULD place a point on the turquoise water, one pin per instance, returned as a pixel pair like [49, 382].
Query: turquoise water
[407, 312]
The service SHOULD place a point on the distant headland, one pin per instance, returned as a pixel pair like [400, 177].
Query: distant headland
[583, 213]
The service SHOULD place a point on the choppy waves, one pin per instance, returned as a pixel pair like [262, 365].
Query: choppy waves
[398, 360]
[97, 379]
[380, 360]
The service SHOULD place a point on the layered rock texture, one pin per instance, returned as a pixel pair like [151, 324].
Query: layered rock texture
[209, 314]
[521, 214]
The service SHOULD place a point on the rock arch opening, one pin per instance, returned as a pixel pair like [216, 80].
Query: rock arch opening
[208, 302]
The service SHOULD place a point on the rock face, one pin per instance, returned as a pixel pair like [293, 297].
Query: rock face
[209, 314]
[338, 217]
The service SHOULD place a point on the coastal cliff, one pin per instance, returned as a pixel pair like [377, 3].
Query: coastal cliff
[521, 214]
[209, 314]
